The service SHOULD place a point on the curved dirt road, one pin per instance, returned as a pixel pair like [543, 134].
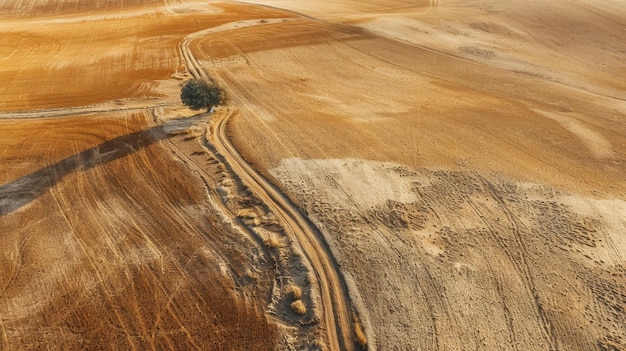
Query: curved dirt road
[192, 64]
[335, 302]
[337, 314]
[434, 188]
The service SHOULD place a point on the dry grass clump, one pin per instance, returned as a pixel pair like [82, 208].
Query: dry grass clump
[361, 338]
[295, 291]
[246, 213]
[273, 242]
[298, 307]
[194, 132]
[252, 275]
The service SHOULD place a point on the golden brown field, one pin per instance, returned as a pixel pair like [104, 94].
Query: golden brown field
[389, 175]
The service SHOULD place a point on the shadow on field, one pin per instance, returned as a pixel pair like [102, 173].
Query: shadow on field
[20, 192]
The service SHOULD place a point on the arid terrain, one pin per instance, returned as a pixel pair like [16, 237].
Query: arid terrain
[385, 175]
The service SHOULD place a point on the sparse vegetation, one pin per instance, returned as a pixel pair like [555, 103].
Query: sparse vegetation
[294, 291]
[273, 242]
[298, 307]
[194, 132]
[252, 275]
[198, 94]
[361, 338]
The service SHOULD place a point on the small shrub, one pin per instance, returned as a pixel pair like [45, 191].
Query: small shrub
[273, 242]
[194, 133]
[298, 307]
[294, 291]
[252, 275]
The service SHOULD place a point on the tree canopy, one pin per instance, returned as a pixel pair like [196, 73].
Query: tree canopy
[198, 94]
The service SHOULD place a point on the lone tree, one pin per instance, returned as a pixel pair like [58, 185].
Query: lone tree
[198, 94]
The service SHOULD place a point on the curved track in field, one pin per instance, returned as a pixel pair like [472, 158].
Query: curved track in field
[335, 307]
[335, 302]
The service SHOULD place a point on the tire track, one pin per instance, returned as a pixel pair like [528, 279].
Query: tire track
[502, 244]
[336, 306]
[76, 111]
[521, 263]
[108, 294]
[337, 314]
[193, 66]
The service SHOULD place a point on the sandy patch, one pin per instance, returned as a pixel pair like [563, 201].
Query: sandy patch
[450, 248]
[368, 184]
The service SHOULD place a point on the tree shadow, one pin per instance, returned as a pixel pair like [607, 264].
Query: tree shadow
[22, 191]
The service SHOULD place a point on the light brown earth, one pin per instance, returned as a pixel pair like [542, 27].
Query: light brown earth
[464, 160]
[460, 166]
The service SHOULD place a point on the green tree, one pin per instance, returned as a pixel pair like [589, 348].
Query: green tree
[198, 94]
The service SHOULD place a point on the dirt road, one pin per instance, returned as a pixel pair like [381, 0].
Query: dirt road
[337, 312]
[449, 175]
[110, 238]
[464, 160]
[101, 248]
[335, 304]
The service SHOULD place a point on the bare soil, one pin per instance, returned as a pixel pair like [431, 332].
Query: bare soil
[403, 175]
[109, 242]
[464, 161]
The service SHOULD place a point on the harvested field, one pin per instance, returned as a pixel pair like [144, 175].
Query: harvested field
[109, 240]
[113, 233]
[388, 175]
[90, 57]
[464, 161]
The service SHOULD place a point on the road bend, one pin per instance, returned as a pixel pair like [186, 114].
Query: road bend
[336, 311]
[337, 316]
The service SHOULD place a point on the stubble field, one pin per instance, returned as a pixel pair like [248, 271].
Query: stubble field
[459, 165]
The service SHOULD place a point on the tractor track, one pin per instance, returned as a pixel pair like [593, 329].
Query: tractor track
[337, 313]
[78, 111]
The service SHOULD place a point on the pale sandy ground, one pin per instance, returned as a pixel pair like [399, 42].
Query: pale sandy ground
[465, 160]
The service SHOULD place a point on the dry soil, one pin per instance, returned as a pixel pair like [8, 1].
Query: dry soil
[460, 166]
[464, 160]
